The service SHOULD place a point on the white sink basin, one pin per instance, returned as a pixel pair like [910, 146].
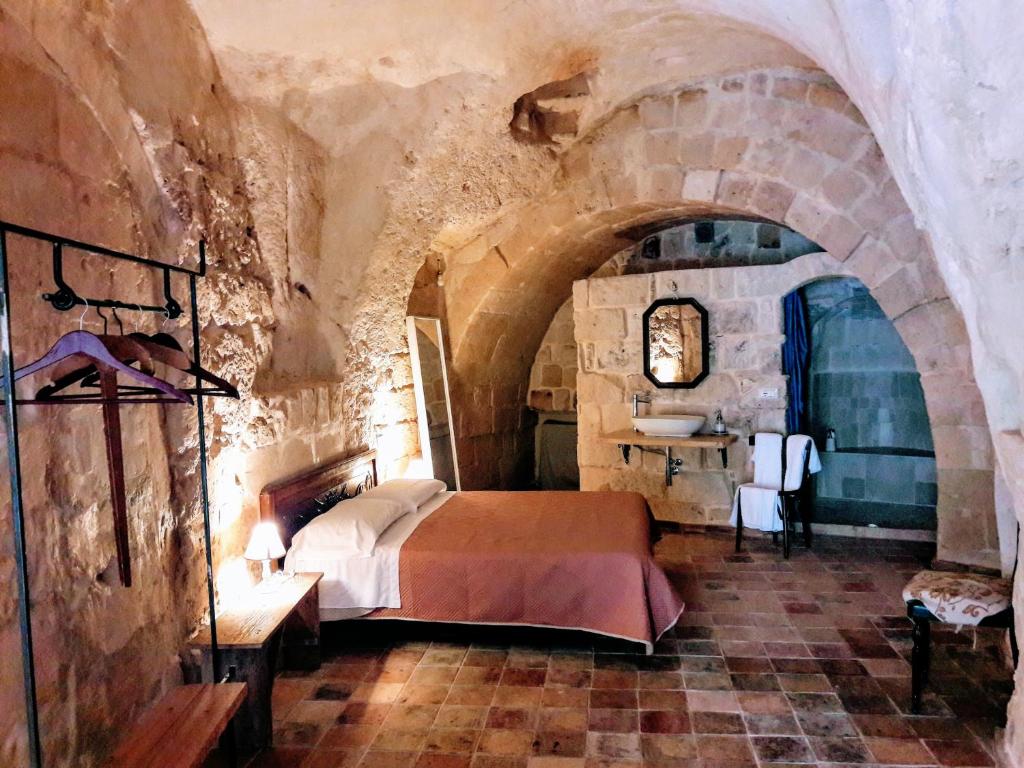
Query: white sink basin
[668, 424]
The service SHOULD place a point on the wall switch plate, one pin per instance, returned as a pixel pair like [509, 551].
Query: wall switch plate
[769, 393]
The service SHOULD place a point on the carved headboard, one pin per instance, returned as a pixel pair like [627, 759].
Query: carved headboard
[294, 501]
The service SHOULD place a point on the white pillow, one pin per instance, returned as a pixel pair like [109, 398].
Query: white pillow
[351, 526]
[410, 493]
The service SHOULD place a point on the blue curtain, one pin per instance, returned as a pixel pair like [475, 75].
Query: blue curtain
[796, 354]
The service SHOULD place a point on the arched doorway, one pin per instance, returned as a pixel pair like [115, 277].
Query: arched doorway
[863, 403]
[665, 158]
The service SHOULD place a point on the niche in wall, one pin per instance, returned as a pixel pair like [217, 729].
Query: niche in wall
[863, 383]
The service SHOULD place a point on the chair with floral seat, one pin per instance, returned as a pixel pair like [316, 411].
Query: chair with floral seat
[963, 599]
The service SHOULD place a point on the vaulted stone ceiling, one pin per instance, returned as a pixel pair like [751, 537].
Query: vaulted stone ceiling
[410, 104]
[387, 84]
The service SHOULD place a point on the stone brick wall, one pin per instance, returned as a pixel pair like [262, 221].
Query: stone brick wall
[735, 244]
[745, 317]
[553, 377]
[785, 146]
[744, 305]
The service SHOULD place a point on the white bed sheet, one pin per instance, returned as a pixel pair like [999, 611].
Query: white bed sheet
[355, 585]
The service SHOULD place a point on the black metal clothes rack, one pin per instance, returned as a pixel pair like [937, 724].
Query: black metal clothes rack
[63, 298]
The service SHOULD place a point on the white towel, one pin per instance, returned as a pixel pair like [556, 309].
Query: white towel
[760, 508]
[760, 499]
[794, 461]
[767, 458]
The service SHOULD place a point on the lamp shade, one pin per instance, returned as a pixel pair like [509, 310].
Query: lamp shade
[265, 543]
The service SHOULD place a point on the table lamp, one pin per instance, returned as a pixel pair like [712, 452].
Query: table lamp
[265, 545]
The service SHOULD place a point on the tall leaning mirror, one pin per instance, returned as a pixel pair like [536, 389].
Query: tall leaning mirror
[433, 403]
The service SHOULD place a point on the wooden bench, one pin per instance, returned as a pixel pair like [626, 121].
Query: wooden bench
[181, 729]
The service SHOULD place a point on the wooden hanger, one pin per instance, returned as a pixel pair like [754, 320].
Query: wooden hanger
[100, 350]
[165, 349]
[103, 354]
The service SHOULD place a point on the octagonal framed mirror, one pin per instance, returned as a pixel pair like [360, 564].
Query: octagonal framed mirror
[676, 351]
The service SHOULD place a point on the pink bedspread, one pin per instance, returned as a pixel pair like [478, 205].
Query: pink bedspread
[569, 559]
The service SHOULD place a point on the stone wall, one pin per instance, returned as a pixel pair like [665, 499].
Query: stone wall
[149, 178]
[744, 306]
[733, 244]
[745, 317]
[744, 146]
[785, 146]
[61, 173]
[736, 244]
[553, 376]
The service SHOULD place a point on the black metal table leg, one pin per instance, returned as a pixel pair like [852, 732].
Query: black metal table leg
[920, 660]
[739, 519]
[805, 518]
[785, 528]
[229, 745]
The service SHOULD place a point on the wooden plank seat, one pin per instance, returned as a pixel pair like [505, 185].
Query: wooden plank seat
[181, 729]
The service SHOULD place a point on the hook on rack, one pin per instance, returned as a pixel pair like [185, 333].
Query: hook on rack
[172, 306]
[103, 318]
[120, 325]
[64, 298]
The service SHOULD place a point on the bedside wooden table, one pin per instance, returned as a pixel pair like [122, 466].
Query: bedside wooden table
[282, 621]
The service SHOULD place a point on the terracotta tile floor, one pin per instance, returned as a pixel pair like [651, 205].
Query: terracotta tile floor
[773, 662]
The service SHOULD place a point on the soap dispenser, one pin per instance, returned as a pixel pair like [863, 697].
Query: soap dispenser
[719, 427]
[830, 440]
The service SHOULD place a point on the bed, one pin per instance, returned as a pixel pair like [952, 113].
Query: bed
[559, 559]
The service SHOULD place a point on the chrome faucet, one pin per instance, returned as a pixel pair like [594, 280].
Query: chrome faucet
[639, 397]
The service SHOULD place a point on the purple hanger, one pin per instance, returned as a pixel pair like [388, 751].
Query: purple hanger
[97, 351]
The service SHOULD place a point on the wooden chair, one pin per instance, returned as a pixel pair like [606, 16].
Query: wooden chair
[788, 500]
[953, 598]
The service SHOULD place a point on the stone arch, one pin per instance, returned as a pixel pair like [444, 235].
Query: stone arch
[785, 146]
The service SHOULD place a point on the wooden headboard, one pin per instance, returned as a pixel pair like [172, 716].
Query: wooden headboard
[294, 501]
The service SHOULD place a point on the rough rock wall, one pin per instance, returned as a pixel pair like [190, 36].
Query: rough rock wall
[94, 147]
[60, 172]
